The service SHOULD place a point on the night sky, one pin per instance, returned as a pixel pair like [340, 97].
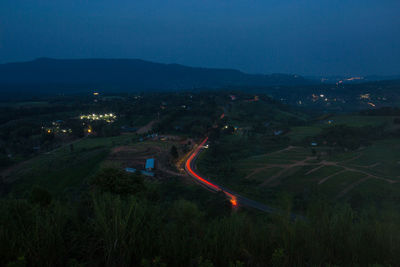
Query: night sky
[307, 37]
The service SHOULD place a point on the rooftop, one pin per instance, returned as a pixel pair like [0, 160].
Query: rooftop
[150, 164]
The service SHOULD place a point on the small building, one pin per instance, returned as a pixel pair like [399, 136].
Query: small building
[146, 173]
[278, 132]
[149, 164]
[314, 144]
[131, 170]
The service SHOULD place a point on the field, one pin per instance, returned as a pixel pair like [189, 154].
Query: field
[298, 133]
[66, 171]
[368, 174]
[25, 104]
[63, 169]
[358, 121]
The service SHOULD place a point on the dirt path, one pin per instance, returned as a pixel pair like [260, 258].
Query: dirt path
[350, 187]
[276, 152]
[147, 128]
[324, 163]
[286, 167]
[329, 176]
[315, 169]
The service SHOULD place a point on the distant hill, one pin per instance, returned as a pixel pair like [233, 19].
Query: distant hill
[61, 75]
[352, 79]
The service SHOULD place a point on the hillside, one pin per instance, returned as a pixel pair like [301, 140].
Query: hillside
[51, 75]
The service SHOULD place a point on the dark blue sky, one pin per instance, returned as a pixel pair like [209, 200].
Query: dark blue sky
[308, 37]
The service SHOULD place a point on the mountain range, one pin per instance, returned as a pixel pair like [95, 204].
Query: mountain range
[124, 75]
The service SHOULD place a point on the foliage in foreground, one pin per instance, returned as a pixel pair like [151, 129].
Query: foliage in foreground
[147, 228]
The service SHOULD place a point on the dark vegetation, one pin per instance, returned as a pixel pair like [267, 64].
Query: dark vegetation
[345, 137]
[176, 225]
[86, 216]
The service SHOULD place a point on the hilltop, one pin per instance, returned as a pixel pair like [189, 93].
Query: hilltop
[61, 75]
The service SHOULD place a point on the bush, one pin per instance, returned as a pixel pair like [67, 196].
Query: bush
[118, 181]
[40, 196]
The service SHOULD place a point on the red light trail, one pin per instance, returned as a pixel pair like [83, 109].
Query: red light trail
[201, 179]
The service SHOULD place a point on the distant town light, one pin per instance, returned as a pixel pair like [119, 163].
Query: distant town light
[365, 96]
[95, 117]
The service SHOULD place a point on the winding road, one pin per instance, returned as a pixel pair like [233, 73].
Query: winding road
[236, 199]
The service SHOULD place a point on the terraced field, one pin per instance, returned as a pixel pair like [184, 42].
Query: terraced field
[358, 121]
[295, 169]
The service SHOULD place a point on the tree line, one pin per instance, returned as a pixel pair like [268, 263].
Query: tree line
[124, 221]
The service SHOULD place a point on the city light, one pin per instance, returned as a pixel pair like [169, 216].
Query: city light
[364, 96]
[109, 118]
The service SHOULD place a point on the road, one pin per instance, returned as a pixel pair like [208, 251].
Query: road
[236, 199]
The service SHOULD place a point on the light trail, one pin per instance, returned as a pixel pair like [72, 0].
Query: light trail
[234, 198]
[210, 185]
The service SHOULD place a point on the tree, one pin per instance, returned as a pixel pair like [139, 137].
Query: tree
[5, 161]
[118, 182]
[110, 130]
[174, 152]
[219, 205]
[40, 196]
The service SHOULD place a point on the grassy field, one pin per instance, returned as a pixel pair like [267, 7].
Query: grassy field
[358, 121]
[25, 104]
[63, 170]
[297, 134]
[372, 172]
